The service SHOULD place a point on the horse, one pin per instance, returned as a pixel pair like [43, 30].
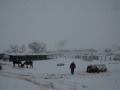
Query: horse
[28, 63]
[17, 62]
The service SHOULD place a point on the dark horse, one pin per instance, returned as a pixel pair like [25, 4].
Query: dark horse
[17, 62]
[28, 63]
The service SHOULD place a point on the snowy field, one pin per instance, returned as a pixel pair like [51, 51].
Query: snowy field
[46, 75]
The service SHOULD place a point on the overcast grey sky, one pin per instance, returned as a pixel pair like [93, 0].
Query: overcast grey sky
[60, 24]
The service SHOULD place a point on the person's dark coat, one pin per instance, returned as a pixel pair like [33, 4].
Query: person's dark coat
[72, 67]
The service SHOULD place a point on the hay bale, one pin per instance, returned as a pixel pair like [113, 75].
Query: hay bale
[96, 68]
[92, 68]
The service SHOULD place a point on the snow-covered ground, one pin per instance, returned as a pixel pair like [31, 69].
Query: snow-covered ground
[46, 75]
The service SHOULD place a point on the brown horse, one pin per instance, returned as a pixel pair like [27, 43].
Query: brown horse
[28, 63]
[17, 62]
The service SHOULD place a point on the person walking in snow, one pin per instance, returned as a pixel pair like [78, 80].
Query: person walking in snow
[72, 67]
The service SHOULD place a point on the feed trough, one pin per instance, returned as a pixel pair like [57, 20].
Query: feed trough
[60, 64]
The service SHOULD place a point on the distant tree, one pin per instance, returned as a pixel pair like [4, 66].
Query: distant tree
[22, 49]
[92, 51]
[8, 51]
[15, 48]
[107, 51]
[86, 51]
[37, 47]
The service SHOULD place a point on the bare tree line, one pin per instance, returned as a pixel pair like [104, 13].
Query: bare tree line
[35, 47]
[92, 50]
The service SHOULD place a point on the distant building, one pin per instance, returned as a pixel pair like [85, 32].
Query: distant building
[31, 56]
[90, 57]
[1, 55]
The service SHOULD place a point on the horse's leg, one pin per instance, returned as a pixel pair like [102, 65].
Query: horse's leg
[31, 65]
[21, 65]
